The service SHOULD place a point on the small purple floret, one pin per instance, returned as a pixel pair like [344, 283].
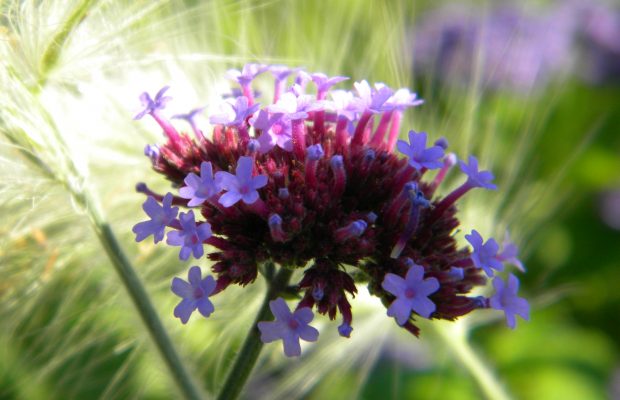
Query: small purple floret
[190, 237]
[195, 294]
[275, 131]
[345, 330]
[152, 106]
[247, 74]
[315, 152]
[199, 188]
[373, 100]
[485, 254]
[411, 294]
[506, 299]
[510, 254]
[234, 112]
[161, 216]
[477, 178]
[420, 156]
[241, 186]
[290, 327]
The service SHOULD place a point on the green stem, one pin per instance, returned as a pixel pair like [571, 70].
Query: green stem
[248, 355]
[140, 298]
[52, 52]
[456, 340]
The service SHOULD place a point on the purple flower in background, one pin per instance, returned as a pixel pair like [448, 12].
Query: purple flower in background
[190, 237]
[161, 216]
[281, 72]
[276, 130]
[234, 113]
[152, 106]
[242, 185]
[477, 178]
[420, 156]
[247, 74]
[411, 294]
[485, 254]
[199, 188]
[195, 294]
[290, 327]
[506, 299]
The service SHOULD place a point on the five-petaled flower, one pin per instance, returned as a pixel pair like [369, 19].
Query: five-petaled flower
[420, 156]
[241, 186]
[288, 326]
[161, 216]
[152, 106]
[411, 294]
[234, 112]
[199, 188]
[195, 294]
[477, 178]
[506, 300]
[190, 237]
[485, 253]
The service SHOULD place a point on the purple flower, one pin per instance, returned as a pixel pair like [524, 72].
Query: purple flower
[420, 156]
[510, 254]
[477, 178]
[190, 116]
[403, 98]
[199, 188]
[281, 72]
[290, 327]
[234, 112]
[506, 299]
[324, 83]
[195, 294]
[485, 254]
[152, 152]
[373, 100]
[151, 106]
[343, 102]
[161, 216]
[190, 237]
[247, 74]
[276, 130]
[411, 294]
[242, 185]
[295, 107]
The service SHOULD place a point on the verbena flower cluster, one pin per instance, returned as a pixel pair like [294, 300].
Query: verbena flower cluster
[313, 182]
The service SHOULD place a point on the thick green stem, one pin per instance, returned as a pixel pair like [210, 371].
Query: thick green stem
[141, 299]
[250, 350]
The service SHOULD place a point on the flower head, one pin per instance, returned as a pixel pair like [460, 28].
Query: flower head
[195, 294]
[190, 237]
[161, 216]
[314, 185]
[288, 326]
[199, 188]
[506, 300]
[485, 253]
[411, 294]
[241, 186]
[420, 156]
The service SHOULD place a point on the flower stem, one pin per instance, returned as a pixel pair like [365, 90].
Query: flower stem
[250, 350]
[140, 298]
[455, 339]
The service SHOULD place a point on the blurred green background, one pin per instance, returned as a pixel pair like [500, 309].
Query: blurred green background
[71, 75]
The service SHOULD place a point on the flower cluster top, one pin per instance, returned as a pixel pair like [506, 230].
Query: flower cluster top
[312, 182]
